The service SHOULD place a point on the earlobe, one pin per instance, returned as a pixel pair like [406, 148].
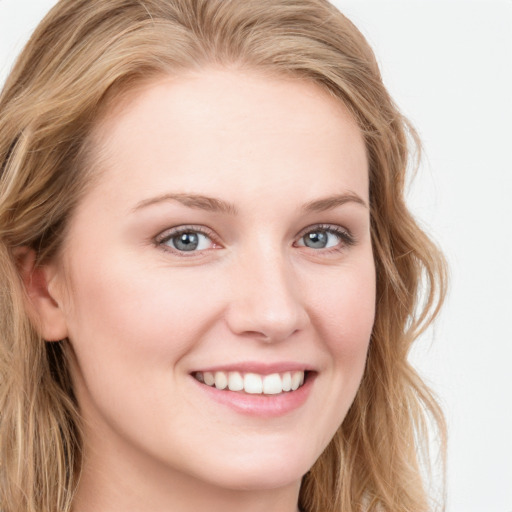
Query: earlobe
[44, 308]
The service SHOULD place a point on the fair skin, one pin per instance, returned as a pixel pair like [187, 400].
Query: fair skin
[272, 274]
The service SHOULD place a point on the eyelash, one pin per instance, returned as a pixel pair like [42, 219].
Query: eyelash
[168, 235]
[345, 237]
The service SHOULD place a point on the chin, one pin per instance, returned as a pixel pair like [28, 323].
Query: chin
[260, 472]
[260, 479]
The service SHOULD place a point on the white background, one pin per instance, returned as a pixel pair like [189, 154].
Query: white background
[448, 64]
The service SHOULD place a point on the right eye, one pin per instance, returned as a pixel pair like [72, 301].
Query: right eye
[186, 240]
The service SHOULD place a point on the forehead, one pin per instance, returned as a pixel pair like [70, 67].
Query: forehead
[230, 128]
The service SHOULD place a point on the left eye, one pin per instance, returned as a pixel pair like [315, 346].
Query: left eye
[320, 239]
[188, 241]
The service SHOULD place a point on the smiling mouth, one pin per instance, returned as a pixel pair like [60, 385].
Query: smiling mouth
[253, 383]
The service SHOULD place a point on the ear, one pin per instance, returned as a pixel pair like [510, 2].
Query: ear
[44, 307]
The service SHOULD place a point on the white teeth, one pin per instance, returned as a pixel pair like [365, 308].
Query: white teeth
[272, 384]
[253, 383]
[221, 380]
[287, 381]
[235, 381]
[296, 377]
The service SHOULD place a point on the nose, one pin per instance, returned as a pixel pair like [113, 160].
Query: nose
[266, 301]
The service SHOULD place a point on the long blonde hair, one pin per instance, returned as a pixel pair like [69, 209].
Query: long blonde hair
[80, 59]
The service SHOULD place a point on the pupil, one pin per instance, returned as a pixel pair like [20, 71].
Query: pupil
[186, 242]
[316, 240]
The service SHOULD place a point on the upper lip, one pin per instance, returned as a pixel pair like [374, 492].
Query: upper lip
[260, 368]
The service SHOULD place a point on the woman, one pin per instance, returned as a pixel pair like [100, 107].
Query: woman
[210, 279]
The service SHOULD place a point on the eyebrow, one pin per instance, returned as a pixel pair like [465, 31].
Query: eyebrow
[200, 202]
[213, 204]
[331, 202]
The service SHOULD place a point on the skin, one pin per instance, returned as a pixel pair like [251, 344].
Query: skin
[141, 317]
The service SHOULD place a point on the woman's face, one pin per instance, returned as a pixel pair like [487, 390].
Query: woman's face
[226, 238]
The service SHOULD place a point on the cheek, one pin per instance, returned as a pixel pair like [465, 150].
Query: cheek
[345, 316]
[345, 311]
[130, 328]
[123, 314]
[342, 310]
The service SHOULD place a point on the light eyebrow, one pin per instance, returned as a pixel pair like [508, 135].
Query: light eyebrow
[196, 201]
[331, 202]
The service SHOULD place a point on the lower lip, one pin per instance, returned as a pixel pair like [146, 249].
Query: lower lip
[263, 406]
